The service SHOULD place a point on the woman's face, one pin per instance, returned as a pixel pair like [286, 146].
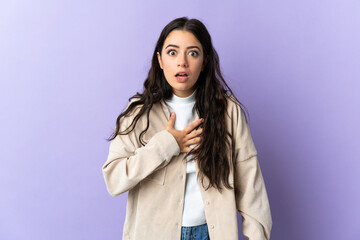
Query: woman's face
[181, 52]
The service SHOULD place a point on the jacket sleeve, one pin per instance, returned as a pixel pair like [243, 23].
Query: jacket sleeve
[250, 192]
[129, 162]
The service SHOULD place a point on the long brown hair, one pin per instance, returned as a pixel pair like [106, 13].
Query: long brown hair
[211, 104]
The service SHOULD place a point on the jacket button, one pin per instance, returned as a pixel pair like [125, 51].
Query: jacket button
[211, 226]
[182, 176]
[207, 202]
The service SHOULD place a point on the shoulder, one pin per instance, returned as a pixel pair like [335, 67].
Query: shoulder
[239, 126]
[236, 114]
[127, 119]
[136, 109]
[233, 108]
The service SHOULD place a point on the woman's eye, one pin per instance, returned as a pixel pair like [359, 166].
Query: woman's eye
[195, 54]
[171, 51]
[192, 53]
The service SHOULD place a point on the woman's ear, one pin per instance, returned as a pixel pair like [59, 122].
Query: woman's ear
[159, 59]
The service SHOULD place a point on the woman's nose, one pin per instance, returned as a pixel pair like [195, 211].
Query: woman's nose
[182, 61]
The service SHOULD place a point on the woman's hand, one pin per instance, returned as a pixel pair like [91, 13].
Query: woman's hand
[185, 137]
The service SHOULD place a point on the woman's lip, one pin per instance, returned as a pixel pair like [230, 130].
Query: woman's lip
[183, 72]
[182, 79]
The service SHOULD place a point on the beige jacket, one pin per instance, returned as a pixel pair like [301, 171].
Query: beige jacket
[155, 176]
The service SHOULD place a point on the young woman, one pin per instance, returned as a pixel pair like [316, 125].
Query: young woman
[183, 149]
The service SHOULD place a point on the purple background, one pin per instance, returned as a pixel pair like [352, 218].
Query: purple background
[67, 69]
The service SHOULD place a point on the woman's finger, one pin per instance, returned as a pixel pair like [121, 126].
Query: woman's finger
[170, 123]
[198, 132]
[193, 125]
[193, 141]
[194, 134]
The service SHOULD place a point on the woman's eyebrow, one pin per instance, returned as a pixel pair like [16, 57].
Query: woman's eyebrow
[172, 45]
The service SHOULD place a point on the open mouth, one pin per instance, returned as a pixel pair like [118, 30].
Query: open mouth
[181, 75]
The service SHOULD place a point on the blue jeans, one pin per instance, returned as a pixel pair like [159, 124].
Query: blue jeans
[195, 233]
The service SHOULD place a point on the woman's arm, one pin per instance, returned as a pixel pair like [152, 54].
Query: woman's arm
[250, 192]
[252, 201]
[128, 162]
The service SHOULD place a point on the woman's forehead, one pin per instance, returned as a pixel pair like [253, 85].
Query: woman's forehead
[181, 38]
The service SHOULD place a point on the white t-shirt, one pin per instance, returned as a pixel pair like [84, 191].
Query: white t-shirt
[193, 211]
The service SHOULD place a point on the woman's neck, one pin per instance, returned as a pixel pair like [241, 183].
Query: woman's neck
[188, 99]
